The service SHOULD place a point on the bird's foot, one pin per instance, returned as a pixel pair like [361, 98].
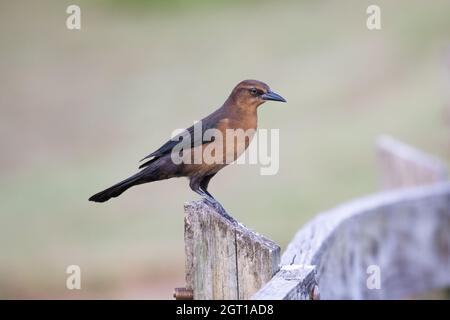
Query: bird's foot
[214, 204]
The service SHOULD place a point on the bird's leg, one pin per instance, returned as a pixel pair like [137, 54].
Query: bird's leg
[204, 187]
[216, 204]
[200, 186]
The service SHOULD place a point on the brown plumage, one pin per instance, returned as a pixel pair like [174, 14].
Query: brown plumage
[238, 112]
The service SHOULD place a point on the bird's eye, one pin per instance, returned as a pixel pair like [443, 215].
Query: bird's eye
[253, 91]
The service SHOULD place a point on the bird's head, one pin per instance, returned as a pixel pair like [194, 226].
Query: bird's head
[253, 93]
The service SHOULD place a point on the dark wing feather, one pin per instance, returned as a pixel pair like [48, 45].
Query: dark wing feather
[195, 140]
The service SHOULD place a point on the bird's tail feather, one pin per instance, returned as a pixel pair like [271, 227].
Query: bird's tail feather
[117, 189]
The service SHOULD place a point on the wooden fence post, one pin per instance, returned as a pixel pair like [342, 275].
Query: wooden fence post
[224, 259]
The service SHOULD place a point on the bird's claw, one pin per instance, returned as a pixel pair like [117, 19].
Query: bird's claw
[214, 204]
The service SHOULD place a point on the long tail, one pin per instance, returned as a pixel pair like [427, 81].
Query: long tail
[117, 189]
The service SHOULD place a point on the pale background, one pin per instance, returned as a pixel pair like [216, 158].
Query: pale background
[78, 109]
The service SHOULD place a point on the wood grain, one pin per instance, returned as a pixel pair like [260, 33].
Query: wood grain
[224, 259]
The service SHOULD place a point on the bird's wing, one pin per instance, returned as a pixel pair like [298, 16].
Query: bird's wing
[187, 139]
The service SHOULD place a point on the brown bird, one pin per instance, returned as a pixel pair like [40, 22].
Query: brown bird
[237, 113]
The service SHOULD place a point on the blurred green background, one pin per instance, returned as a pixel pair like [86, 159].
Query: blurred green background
[80, 108]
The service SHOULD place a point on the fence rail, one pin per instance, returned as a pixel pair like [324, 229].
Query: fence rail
[404, 233]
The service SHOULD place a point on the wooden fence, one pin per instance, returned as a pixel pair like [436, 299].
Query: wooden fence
[402, 233]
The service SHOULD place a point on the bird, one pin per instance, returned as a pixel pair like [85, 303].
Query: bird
[238, 112]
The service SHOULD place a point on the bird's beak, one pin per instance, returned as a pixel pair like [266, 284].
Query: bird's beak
[270, 95]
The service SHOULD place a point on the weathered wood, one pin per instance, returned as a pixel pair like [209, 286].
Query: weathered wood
[401, 165]
[404, 166]
[292, 282]
[224, 259]
[405, 232]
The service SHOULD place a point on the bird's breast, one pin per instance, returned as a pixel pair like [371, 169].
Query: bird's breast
[237, 135]
[229, 140]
